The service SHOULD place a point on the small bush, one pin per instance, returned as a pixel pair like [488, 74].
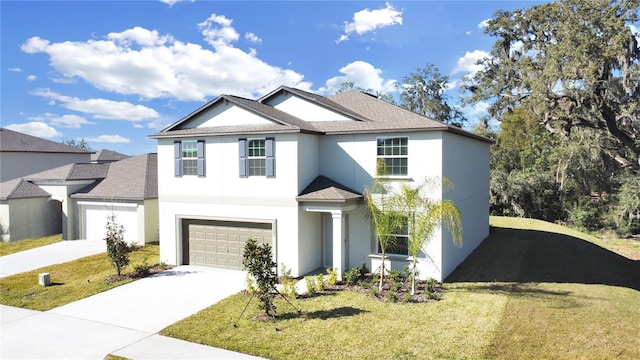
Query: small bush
[117, 249]
[311, 284]
[394, 275]
[332, 276]
[142, 270]
[319, 282]
[289, 288]
[391, 297]
[352, 276]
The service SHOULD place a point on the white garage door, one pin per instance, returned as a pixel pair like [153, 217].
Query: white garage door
[220, 243]
[94, 221]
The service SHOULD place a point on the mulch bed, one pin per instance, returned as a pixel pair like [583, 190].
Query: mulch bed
[138, 273]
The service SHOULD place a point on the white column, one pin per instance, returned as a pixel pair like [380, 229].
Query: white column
[338, 242]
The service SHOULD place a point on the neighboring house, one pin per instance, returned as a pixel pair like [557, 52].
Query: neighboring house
[290, 169]
[76, 200]
[105, 156]
[22, 154]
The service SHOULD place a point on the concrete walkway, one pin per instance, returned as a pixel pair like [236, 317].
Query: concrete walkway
[124, 321]
[55, 253]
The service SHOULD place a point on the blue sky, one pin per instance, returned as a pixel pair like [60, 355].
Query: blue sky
[115, 72]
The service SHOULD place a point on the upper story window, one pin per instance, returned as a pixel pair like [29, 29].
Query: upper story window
[189, 157]
[392, 156]
[257, 157]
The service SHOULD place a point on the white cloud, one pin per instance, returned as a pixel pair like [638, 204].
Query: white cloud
[172, 2]
[143, 62]
[31, 77]
[363, 75]
[468, 63]
[483, 24]
[35, 128]
[217, 30]
[469, 32]
[109, 139]
[101, 108]
[478, 109]
[635, 31]
[70, 121]
[16, 69]
[365, 21]
[252, 37]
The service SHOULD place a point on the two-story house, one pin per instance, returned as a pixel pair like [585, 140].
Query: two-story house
[290, 169]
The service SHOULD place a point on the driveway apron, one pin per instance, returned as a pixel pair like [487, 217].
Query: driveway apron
[123, 321]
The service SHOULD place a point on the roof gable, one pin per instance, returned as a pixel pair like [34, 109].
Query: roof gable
[13, 141]
[308, 106]
[20, 189]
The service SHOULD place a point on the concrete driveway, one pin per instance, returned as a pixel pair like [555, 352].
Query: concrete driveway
[123, 321]
[55, 253]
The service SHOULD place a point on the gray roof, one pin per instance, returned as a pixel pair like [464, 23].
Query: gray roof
[369, 114]
[13, 141]
[323, 189]
[135, 178]
[105, 155]
[20, 189]
[72, 172]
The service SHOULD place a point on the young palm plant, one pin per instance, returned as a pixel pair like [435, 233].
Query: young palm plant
[424, 215]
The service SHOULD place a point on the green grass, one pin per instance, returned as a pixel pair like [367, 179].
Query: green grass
[7, 248]
[532, 290]
[71, 281]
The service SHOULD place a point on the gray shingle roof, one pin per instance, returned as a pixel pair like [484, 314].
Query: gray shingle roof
[72, 172]
[13, 141]
[323, 189]
[20, 189]
[106, 155]
[135, 178]
[370, 114]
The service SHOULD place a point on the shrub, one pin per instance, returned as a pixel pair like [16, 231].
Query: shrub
[319, 282]
[332, 276]
[258, 261]
[352, 276]
[311, 284]
[117, 249]
[143, 269]
[289, 288]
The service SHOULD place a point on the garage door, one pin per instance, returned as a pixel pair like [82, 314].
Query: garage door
[94, 221]
[220, 243]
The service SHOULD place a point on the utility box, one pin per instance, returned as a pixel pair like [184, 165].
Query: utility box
[44, 279]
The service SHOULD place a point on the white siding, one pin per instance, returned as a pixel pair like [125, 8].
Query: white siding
[304, 109]
[223, 114]
[19, 164]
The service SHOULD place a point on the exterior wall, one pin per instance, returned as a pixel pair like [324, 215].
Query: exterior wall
[19, 164]
[224, 114]
[4, 221]
[467, 166]
[310, 255]
[61, 193]
[30, 218]
[304, 109]
[223, 195]
[150, 221]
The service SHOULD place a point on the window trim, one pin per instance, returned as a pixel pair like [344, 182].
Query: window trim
[392, 251]
[243, 154]
[384, 157]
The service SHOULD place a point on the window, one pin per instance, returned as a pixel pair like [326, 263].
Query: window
[189, 157]
[392, 156]
[257, 157]
[401, 246]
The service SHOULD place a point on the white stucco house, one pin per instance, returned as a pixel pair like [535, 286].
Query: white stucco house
[22, 154]
[77, 198]
[290, 169]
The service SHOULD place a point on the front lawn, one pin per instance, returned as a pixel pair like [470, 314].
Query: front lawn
[528, 292]
[11, 247]
[70, 281]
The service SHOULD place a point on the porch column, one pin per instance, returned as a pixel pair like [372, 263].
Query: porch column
[338, 242]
